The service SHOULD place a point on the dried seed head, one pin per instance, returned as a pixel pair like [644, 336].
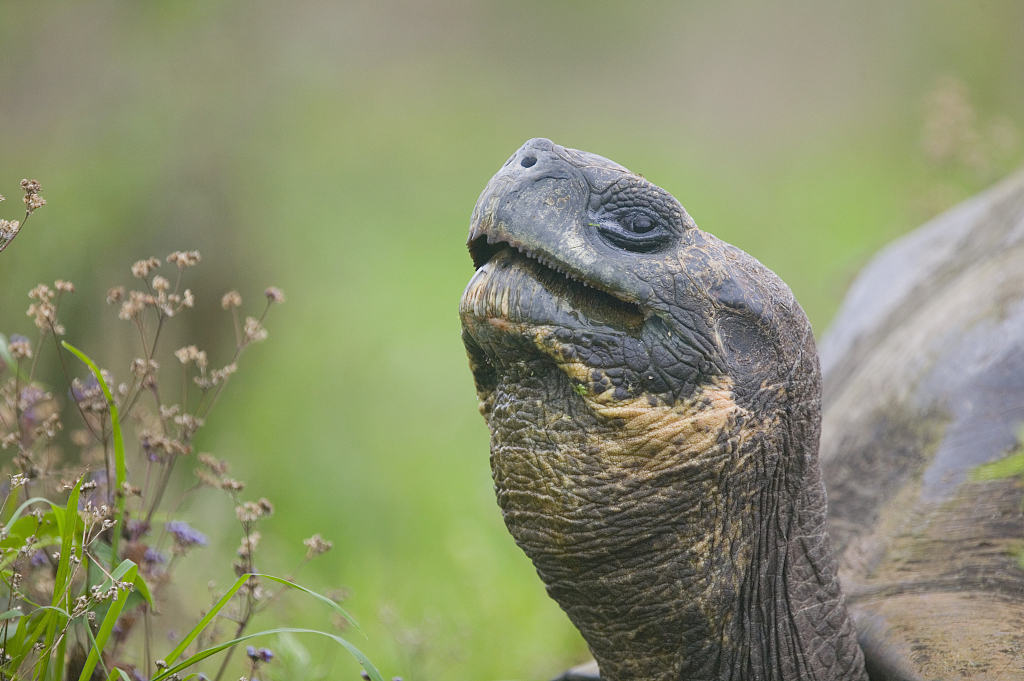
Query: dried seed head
[44, 312]
[218, 376]
[135, 305]
[9, 229]
[254, 331]
[184, 259]
[317, 546]
[33, 201]
[142, 268]
[49, 428]
[231, 299]
[206, 478]
[251, 511]
[143, 367]
[189, 425]
[20, 347]
[115, 295]
[160, 283]
[218, 466]
[169, 412]
[41, 292]
[274, 294]
[191, 353]
[248, 545]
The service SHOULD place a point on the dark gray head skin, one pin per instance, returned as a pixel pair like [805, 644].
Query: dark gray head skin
[652, 395]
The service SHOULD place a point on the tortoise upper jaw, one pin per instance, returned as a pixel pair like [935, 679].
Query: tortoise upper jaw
[539, 204]
[538, 159]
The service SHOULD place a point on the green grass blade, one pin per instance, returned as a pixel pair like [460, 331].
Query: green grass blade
[11, 614]
[129, 572]
[102, 553]
[143, 588]
[119, 466]
[13, 647]
[58, 668]
[24, 505]
[118, 573]
[203, 623]
[334, 606]
[67, 531]
[202, 655]
[62, 583]
[88, 630]
[24, 639]
[124, 676]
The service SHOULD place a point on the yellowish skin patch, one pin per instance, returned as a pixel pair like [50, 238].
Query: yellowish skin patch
[651, 433]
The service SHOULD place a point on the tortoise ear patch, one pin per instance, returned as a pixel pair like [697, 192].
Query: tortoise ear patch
[729, 293]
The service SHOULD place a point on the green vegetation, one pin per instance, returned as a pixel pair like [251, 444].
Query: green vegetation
[1011, 466]
[99, 598]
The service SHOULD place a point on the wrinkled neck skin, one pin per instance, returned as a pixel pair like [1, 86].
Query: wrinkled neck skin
[685, 538]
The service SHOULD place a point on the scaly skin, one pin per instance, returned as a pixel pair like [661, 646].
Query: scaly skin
[654, 433]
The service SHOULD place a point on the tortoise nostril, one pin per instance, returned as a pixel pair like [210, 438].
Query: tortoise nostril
[528, 161]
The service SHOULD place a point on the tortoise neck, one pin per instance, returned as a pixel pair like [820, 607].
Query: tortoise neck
[793, 621]
[732, 578]
[765, 606]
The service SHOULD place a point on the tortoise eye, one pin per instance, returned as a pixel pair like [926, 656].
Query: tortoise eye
[634, 229]
[639, 223]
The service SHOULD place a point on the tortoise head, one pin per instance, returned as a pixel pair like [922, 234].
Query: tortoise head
[652, 395]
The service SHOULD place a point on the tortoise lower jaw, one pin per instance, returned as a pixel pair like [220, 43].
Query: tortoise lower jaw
[516, 290]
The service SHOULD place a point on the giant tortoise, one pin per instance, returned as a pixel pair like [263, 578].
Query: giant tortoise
[654, 400]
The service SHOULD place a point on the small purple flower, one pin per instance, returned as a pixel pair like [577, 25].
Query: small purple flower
[258, 655]
[185, 535]
[18, 338]
[154, 556]
[39, 559]
[137, 528]
[28, 398]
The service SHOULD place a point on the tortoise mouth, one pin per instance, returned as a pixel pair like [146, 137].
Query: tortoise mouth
[516, 284]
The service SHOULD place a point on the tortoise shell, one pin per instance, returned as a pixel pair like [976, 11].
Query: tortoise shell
[923, 405]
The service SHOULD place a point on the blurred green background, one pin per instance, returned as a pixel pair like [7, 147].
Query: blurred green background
[336, 150]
